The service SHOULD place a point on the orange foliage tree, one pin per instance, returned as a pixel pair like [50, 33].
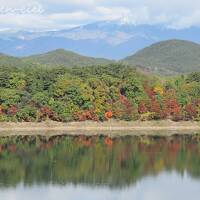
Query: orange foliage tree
[149, 91]
[86, 115]
[142, 108]
[46, 112]
[191, 111]
[108, 115]
[124, 109]
[12, 110]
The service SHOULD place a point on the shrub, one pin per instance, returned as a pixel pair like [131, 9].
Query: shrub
[27, 114]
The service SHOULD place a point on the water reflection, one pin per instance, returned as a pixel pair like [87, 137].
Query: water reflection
[99, 168]
[165, 186]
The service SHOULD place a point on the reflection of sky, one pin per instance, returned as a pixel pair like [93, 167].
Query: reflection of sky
[163, 187]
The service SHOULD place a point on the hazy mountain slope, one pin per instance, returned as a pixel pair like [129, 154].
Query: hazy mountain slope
[10, 61]
[168, 57]
[108, 39]
[61, 57]
[89, 47]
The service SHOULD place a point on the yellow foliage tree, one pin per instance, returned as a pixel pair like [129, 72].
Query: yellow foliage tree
[158, 90]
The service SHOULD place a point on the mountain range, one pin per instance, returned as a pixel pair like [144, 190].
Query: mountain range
[103, 39]
[169, 57]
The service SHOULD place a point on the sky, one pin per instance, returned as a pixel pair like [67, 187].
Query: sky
[62, 14]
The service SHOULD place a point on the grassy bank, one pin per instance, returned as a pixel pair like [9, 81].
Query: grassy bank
[112, 128]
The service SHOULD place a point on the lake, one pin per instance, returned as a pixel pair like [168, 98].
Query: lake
[100, 168]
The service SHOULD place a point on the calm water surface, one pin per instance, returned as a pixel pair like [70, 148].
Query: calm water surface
[99, 168]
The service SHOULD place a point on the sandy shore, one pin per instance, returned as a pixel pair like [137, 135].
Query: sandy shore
[111, 128]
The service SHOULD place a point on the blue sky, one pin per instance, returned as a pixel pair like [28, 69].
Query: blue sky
[60, 14]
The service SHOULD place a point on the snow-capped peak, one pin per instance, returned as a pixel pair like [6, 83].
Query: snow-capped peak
[125, 21]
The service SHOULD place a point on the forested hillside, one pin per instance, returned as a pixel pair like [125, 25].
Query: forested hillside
[168, 57]
[95, 93]
[61, 57]
[10, 61]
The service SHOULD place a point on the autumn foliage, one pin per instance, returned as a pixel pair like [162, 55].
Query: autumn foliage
[191, 110]
[142, 108]
[108, 115]
[96, 93]
[12, 110]
[86, 115]
[46, 112]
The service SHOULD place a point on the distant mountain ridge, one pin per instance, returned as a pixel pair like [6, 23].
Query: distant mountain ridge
[61, 57]
[169, 57]
[107, 39]
[10, 61]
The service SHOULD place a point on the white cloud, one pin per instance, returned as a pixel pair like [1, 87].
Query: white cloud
[20, 7]
[187, 21]
[112, 13]
[74, 2]
[36, 22]
[70, 16]
[43, 14]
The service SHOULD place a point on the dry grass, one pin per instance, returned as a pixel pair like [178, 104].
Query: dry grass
[111, 128]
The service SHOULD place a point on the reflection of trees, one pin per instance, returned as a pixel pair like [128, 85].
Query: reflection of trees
[61, 160]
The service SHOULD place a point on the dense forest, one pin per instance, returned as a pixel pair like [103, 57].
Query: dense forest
[97, 93]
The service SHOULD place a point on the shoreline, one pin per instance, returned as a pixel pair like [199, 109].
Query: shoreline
[109, 128]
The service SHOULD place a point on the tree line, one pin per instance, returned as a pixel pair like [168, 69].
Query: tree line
[95, 93]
